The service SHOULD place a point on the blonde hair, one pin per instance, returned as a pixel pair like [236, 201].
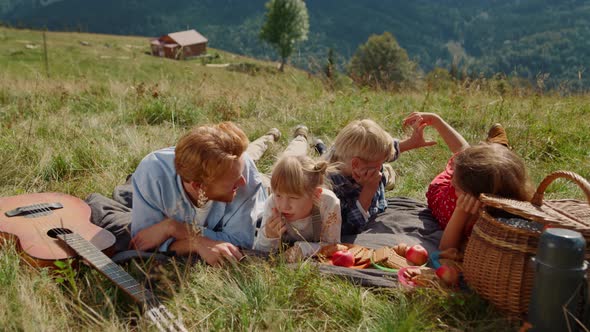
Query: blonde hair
[492, 169]
[364, 139]
[298, 175]
[207, 152]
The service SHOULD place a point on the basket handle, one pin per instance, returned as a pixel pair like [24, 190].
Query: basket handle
[580, 181]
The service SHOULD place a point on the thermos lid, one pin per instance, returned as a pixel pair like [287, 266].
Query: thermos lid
[561, 248]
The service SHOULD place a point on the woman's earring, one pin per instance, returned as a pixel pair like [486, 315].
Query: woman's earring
[202, 198]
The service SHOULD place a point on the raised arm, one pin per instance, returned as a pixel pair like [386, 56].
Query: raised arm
[420, 120]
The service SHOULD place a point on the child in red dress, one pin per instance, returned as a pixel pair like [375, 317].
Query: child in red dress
[490, 168]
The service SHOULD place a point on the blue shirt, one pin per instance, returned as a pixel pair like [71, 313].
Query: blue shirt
[158, 194]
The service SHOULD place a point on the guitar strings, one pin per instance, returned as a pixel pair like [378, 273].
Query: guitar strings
[42, 228]
[158, 314]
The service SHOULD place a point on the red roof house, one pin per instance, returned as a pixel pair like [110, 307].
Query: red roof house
[179, 45]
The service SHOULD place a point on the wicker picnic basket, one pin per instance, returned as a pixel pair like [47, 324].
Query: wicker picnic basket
[497, 263]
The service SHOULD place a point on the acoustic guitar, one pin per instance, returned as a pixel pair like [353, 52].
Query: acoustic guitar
[48, 227]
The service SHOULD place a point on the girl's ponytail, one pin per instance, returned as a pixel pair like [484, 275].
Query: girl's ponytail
[299, 175]
[321, 167]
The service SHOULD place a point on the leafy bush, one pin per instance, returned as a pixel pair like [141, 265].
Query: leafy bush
[382, 63]
[439, 79]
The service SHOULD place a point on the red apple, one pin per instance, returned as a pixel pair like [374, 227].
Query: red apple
[417, 255]
[448, 274]
[343, 258]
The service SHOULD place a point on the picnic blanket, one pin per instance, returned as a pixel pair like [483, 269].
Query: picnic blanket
[405, 220]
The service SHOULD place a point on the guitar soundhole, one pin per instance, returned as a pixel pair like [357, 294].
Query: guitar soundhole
[54, 232]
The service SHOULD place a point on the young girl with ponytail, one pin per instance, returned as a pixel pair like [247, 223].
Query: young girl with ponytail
[300, 211]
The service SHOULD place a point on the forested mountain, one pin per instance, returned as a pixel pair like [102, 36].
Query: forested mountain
[522, 37]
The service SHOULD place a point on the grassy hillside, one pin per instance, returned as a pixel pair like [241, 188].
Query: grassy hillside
[84, 125]
[524, 38]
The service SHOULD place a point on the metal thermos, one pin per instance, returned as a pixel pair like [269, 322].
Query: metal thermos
[560, 281]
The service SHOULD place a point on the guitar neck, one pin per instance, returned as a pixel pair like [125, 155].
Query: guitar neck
[110, 269]
[164, 320]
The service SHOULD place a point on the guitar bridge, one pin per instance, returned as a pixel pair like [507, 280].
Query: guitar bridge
[34, 210]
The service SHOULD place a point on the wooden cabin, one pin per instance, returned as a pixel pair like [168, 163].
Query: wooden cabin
[179, 45]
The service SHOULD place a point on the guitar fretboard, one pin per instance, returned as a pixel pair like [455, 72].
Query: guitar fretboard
[109, 269]
[156, 312]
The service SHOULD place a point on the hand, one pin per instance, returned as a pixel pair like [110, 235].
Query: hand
[418, 121]
[468, 203]
[367, 176]
[275, 226]
[216, 252]
[153, 236]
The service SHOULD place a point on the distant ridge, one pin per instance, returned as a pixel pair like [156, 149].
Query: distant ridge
[525, 38]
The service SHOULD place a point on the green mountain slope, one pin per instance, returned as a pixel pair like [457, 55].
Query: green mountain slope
[525, 37]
